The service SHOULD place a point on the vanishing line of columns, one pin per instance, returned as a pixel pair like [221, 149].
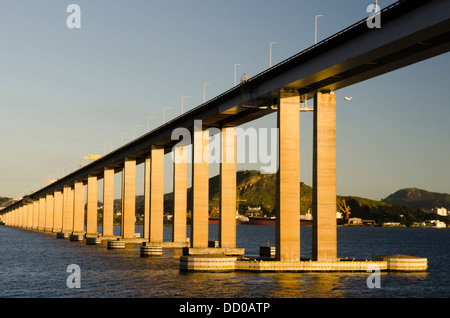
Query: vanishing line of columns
[64, 210]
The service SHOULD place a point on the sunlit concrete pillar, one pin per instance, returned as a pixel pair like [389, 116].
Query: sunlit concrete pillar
[324, 237]
[92, 205]
[57, 210]
[24, 215]
[41, 223]
[128, 199]
[179, 194]
[21, 216]
[288, 178]
[108, 202]
[49, 212]
[78, 207]
[227, 222]
[147, 173]
[67, 220]
[35, 223]
[30, 215]
[200, 187]
[156, 223]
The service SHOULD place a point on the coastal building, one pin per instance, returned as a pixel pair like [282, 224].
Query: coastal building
[439, 211]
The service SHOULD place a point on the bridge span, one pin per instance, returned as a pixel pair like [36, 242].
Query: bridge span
[411, 31]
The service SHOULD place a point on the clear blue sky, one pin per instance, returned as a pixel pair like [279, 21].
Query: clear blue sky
[65, 93]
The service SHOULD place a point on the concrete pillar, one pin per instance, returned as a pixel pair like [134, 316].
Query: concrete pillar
[49, 212]
[35, 215]
[41, 221]
[324, 237]
[24, 215]
[108, 202]
[78, 207]
[227, 222]
[147, 170]
[128, 199]
[30, 215]
[92, 206]
[156, 223]
[288, 178]
[20, 214]
[57, 211]
[200, 187]
[67, 220]
[179, 194]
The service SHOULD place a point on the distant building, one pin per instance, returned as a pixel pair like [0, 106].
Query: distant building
[439, 211]
[355, 221]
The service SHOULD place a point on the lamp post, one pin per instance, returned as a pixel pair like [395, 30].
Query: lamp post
[151, 117]
[123, 134]
[204, 91]
[235, 65]
[182, 103]
[164, 118]
[270, 54]
[315, 28]
[135, 130]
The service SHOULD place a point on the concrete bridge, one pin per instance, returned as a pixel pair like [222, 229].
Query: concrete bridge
[411, 31]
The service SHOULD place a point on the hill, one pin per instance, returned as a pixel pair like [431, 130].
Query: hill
[419, 199]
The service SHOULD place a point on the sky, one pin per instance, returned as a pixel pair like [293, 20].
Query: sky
[68, 92]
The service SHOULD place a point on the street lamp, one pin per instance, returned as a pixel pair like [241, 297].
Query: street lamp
[315, 29]
[151, 117]
[135, 130]
[164, 115]
[182, 102]
[123, 134]
[235, 65]
[270, 55]
[204, 91]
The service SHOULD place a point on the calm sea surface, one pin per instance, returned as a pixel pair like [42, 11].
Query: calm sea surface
[34, 264]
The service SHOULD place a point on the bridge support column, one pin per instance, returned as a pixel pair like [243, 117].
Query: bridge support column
[147, 174]
[128, 199]
[49, 212]
[156, 222]
[67, 221]
[41, 221]
[200, 187]
[35, 215]
[57, 211]
[30, 215]
[24, 215]
[92, 206]
[324, 237]
[288, 178]
[108, 202]
[227, 226]
[179, 194]
[78, 208]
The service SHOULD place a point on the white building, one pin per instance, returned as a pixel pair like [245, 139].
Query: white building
[439, 211]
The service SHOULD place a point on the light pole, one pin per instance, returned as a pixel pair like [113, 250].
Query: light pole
[123, 134]
[151, 117]
[135, 130]
[204, 91]
[235, 65]
[270, 54]
[315, 29]
[110, 145]
[164, 115]
[182, 103]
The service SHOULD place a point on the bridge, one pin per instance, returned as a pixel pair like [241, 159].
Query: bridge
[411, 31]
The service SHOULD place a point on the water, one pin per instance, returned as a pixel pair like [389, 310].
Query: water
[33, 265]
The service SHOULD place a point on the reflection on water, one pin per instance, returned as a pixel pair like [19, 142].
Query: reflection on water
[33, 264]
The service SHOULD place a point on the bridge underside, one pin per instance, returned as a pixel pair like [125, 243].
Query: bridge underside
[411, 31]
